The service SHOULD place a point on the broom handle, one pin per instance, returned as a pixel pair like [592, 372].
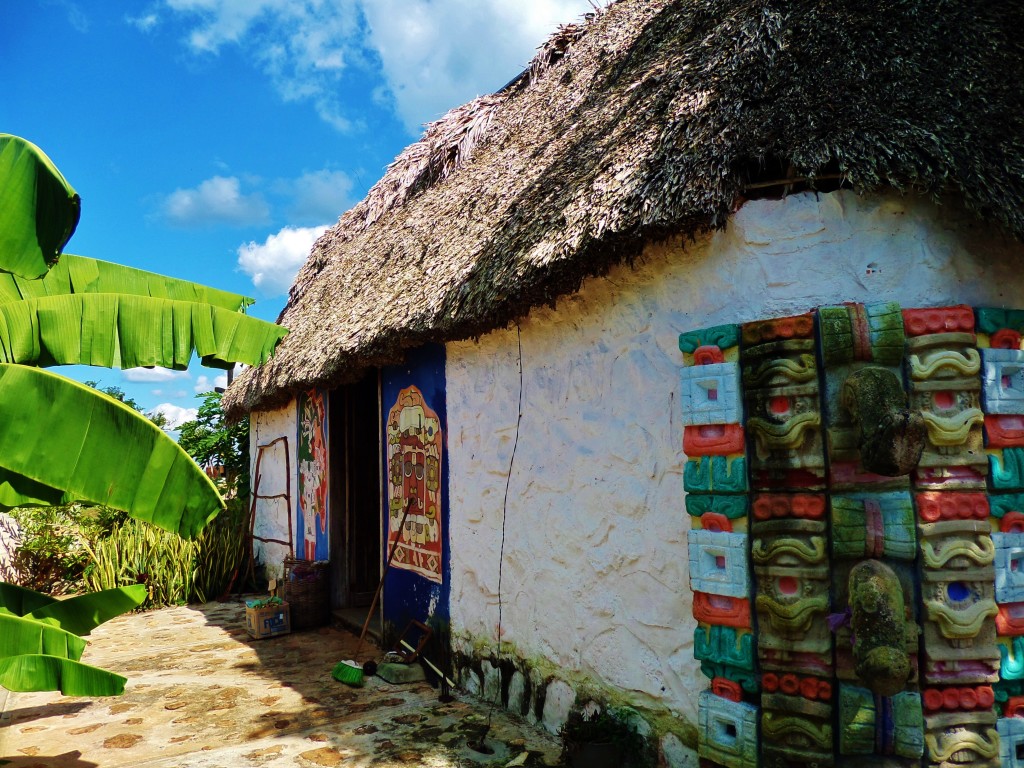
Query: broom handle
[376, 595]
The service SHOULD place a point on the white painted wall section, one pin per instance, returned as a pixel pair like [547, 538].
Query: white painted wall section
[273, 515]
[594, 578]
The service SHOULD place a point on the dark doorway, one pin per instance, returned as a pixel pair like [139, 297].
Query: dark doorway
[355, 488]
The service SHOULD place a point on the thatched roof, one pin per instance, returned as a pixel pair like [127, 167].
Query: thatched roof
[652, 118]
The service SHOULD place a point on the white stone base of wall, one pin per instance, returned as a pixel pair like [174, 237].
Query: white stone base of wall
[545, 700]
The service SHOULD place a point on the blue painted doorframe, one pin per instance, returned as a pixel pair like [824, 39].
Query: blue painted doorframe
[408, 593]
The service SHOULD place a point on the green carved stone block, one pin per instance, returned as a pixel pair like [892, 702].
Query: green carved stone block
[1007, 470]
[715, 474]
[721, 336]
[724, 645]
[860, 731]
[732, 507]
[1004, 689]
[1011, 653]
[878, 525]
[856, 720]
[1001, 503]
[990, 320]
[862, 332]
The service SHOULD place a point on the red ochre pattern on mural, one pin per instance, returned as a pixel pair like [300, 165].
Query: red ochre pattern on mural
[414, 473]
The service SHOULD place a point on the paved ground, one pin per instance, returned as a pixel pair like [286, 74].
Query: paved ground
[202, 694]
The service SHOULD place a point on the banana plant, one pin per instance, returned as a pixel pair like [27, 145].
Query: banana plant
[41, 644]
[63, 442]
[58, 309]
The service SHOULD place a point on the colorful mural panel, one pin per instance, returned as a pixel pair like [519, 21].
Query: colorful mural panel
[314, 477]
[876, 470]
[414, 453]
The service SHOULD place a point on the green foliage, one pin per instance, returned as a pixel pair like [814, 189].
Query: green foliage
[72, 457]
[212, 442]
[39, 672]
[50, 557]
[39, 210]
[122, 397]
[81, 614]
[618, 727]
[40, 650]
[175, 571]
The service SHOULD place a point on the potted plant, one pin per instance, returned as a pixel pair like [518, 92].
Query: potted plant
[600, 737]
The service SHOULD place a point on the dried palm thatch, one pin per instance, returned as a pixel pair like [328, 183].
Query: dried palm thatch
[653, 118]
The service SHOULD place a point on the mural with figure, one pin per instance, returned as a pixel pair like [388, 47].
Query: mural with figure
[311, 527]
[414, 448]
[854, 479]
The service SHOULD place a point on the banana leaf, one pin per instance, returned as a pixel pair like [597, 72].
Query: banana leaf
[68, 437]
[126, 331]
[38, 209]
[20, 635]
[35, 672]
[81, 614]
[81, 274]
[19, 491]
[21, 600]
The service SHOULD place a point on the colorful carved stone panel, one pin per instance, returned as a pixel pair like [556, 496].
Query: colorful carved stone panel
[727, 731]
[870, 724]
[868, 460]
[780, 389]
[715, 479]
[874, 525]
[718, 563]
[943, 370]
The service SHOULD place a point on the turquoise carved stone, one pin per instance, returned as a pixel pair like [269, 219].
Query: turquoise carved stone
[715, 474]
[721, 336]
[1007, 470]
[733, 507]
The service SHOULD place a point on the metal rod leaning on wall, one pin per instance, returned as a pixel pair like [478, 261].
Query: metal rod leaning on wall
[376, 595]
[427, 661]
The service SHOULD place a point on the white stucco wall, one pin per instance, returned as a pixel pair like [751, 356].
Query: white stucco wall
[272, 515]
[595, 576]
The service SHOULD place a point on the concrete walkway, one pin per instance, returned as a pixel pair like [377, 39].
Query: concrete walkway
[202, 694]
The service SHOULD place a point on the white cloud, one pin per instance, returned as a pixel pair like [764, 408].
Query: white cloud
[319, 195]
[438, 54]
[218, 200]
[435, 54]
[203, 383]
[152, 374]
[144, 23]
[272, 264]
[303, 46]
[76, 16]
[175, 414]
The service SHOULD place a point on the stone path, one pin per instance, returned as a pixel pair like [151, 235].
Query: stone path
[202, 694]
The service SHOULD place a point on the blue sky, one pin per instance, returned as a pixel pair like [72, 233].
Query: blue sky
[213, 140]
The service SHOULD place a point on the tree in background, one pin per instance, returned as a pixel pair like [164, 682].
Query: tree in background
[220, 448]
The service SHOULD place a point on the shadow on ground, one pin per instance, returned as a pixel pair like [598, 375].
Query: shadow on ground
[201, 693]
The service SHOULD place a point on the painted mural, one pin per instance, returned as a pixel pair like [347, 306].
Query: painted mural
[854, 479]
[414, 450]
[312, 528]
